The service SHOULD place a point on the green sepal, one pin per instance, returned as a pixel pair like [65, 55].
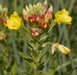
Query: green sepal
[26, 57]
[52, 71]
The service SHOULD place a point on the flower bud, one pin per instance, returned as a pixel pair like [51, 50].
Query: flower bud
[40, 18]
[49, 13]
[25, 15]
[1, 20]
[5, 14]
[1, 37]
[44, 25]
[32, 18]
[35, 31]
[45, 5]
[4, 23]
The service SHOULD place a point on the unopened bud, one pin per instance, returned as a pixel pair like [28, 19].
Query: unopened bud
[49, 13]
[35, 31]
[45, 5]
[1, 20]
[40, 18]
[32, 18]
[4, 23]
[1, 37]
[5, 14]
[27, 8]
[25, 15]
[44, 25]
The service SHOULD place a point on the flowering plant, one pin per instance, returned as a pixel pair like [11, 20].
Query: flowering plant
[38, 17]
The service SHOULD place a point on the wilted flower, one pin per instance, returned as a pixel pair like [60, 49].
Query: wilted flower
[62, 17]
[35, 31]
[61, 48]
[14, 22]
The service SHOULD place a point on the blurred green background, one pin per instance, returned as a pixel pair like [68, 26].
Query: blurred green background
[63, 34]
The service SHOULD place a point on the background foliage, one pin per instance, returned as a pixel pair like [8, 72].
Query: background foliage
[64, 34]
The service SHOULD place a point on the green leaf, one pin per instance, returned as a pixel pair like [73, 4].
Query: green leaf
[52, 71]
[42, 38]
[31, 64]
[13, 70]
[26, 57]
[23, 72]
[48, 59]
[44, 53]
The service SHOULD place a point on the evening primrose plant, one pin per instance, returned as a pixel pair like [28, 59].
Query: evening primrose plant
[38, 17]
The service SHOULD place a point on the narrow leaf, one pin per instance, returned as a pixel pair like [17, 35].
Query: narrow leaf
[52, 71]
[48, 59]
[26, 57]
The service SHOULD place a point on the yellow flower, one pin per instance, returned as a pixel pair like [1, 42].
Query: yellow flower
[61, 48]
[14, 22]
[62, 17]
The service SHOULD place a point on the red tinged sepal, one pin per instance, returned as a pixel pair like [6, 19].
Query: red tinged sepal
[40, 18]
[5, 14]
[35, 32]
[1, 20]
[4, 23]
[25, 17]
[32, 18]
[44, 25]
[45, 5]
[49, 13]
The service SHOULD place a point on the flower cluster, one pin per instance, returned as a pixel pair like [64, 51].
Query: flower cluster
[3, 21]
[38, 16]
[3, 15]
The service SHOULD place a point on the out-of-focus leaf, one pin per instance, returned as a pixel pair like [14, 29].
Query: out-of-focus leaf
[13, 70]
[24, 72]
[26, 57]
[48, 59]
[43, 38]
[52, 71]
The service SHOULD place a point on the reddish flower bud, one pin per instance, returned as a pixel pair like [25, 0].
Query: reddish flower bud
[49, 13]
[1, 20]
[40, 18]
[44, 25]
[1, 37]
[35, 31]
[32, 18]
[5, 14]
[25, 15]
[45, 5]
[4, 23]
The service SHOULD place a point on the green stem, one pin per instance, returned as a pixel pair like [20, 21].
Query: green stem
[26, 29]
[51, 26]
[36, 71]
